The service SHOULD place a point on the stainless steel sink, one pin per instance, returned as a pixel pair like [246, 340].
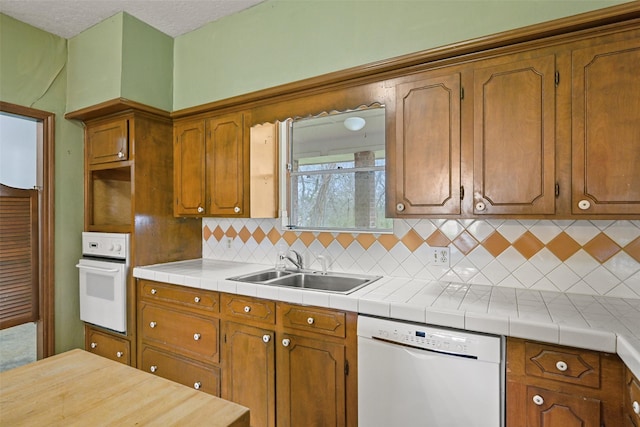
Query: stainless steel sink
[342, 283]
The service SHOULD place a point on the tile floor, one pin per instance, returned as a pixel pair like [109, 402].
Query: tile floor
[17, 346]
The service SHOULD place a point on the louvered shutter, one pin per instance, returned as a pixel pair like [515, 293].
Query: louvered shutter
[18, 256]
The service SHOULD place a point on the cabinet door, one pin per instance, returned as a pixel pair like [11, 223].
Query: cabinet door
[310, 383]
[632, 398]
[427, 146]
[226, 154]
[514, 137]
[546, 408]
[249, 377]
[605, 129]
[108, 142]
[188, 168]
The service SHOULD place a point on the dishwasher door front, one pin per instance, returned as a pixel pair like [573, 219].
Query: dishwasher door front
[403, 386]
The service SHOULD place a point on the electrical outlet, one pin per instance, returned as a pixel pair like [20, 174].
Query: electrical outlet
[439, 256]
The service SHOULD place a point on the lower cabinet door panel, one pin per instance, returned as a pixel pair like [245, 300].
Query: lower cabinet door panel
[183, 371]
[546, 408]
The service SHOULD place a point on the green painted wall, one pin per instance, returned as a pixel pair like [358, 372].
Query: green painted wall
[121, 57]
[147, 73]
[95, 64]
[280, 41]
[33, 73]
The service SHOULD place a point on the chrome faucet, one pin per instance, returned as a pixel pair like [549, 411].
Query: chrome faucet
[298, 261]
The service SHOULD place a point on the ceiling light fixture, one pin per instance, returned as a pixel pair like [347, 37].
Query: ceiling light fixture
[354, 123]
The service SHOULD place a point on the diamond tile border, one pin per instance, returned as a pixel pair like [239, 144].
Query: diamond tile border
[583, 257]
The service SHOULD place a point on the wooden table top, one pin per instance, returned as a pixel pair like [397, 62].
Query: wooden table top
[78, 388]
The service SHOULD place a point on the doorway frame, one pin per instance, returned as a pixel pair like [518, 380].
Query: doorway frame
[46, 147]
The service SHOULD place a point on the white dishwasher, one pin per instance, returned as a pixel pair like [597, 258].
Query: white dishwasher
[419, 375]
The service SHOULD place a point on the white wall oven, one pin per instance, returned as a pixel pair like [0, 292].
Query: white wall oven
[103, 271]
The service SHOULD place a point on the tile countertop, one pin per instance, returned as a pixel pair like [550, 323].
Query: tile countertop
[592, 322]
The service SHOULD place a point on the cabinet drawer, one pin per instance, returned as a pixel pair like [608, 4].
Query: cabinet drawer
[108, 142]
[186, 372]
[632, 397]
[199, 299]
[550, 408]
[184, 333]
[328, 322]
[249, 308]
[569, 365]
[108, 346]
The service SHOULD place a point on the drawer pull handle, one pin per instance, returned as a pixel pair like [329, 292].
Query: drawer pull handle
[584, 204]
[200, 209]
[94, 344]
[310, 320]
[197, 385]
[196, 337]
[538, 400]
[154, 291]
[196, 299]
[120, 154]
[561, 366]
[400, 207]
[236, 209]
[119, 354]
[247, 309]
[480, 206]
[153, 368]
[152, 324]
[286, 342]
[266, 338]
[636, 407]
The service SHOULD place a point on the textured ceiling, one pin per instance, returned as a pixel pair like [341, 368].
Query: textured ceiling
[67, 18]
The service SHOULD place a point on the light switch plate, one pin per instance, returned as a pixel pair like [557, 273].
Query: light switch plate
[439, 256]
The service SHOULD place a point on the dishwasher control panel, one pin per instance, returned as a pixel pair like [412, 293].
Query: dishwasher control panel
[427, 337]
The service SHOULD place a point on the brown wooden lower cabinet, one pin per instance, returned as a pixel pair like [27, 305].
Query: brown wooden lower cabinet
[107, 345]
[556, 386]
[291, 365]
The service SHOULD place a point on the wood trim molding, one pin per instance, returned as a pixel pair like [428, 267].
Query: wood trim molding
[113, 106]
[46, 325]
[388, 67]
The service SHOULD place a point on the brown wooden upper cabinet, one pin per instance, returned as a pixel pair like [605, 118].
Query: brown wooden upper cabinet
[606, 129]
[211, 169]
[514, 137]
[427, 146]
[108, 142]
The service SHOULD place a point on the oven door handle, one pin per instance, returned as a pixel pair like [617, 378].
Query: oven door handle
[104, 270]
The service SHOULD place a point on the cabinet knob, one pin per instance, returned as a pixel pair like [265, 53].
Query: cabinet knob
[196, 299]
[196, 337]
[120, 155]
[538, 400]
[286, 342]
[200, 209]
[154, 291]
[266, 338]
[153, 368]
[94, 344]
[561, 366]
[310, 320]
[584, 204]
[152, 324]
[400, 207]
[247, 308]
[480, 206]
[197, 385]
[636, 407]
[119, 354]
[236, 209]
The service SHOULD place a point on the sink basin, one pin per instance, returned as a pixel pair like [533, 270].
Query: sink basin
[342, 283]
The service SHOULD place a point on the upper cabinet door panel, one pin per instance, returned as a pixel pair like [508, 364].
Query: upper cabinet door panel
[225, 165]
[108, 142]
[514, 137]
[428, 146]
[188, 169]
[606, 129]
